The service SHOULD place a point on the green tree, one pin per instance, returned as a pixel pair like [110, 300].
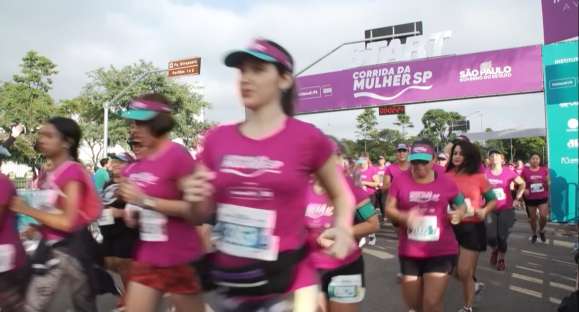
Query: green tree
[437, 128]
[366, 124]
[403, 121]
[26, 99]
[105, 83]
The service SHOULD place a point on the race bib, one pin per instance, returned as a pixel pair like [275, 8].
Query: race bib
[469, 208]
[426, 230]
[106, 217]
[152, 226]
[346, 289]
[7, 257]
[44, 200]
[537, 188]
[500, 193]
[246, 232]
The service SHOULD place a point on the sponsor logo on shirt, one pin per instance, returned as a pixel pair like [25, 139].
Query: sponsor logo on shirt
[143, 178]
[250, 166]
[495, 181]
[485, 71]
[316, 211]
[423, 197]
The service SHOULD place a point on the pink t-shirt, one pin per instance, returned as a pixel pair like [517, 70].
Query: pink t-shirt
[434, 235]
[261, 185]
[164, 241]
[393, 171]
[54, 181]
[536, 183]
[368, 176]
[320, 216]
[501, 186]
[12, 255]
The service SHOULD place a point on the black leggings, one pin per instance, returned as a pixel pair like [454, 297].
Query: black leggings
[499, 224]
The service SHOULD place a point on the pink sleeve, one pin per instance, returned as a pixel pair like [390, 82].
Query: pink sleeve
[319, 151]
[206, 153]
[74, 172]
[394, 190]
[7, 190]
[359, 194]
[183, 163]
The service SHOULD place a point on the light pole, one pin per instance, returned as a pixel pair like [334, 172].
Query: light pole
[116, 98]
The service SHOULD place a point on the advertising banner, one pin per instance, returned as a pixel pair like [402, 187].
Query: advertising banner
[560, 19]
[561, 100]
[500, 72]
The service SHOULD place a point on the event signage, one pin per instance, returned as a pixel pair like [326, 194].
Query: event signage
[501, 72]
[560, 19]
[561, 77]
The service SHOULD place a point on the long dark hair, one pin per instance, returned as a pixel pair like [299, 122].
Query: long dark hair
[70, 132]
[288, 96]
[471, 158]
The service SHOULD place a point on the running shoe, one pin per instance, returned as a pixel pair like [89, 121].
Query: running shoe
[465, 309]
[501, 265]
[494, 257]
[371, 239]
[542, 235]
[533, 239]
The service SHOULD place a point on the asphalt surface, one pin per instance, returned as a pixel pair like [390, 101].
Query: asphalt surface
[537, 278]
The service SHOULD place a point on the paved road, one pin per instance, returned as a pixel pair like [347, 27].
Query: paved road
[537, 277]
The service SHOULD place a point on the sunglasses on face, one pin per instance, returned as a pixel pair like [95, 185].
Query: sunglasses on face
[419, 162]
[402, 151]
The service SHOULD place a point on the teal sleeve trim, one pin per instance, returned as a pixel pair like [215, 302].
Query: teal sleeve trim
[365, 212]
[458, 200]
[490, 195]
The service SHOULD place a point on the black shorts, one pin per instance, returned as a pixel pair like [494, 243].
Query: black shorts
[535, 202]
[471, 236]
[351, 270]
[121, 246]
[420, 266]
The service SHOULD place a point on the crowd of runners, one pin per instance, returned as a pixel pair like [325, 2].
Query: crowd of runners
[270, 215]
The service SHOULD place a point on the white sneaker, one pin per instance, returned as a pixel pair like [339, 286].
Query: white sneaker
[478, 289]
[465, 309]
[371, 239]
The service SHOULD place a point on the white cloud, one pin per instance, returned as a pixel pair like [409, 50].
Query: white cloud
[81, 37]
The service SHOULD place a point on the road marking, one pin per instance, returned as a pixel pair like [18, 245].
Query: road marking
[379, 254]
[564, 244]
[555, 300]
[562, 277]
[564, 262]
[528, 278]
[562, 286]
[529, 269]
[532, 253]
[526, 291]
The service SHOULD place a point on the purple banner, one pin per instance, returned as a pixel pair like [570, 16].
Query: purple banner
[560, 19]
[499, 72]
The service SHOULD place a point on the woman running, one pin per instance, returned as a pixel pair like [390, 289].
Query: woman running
[118, 239]
[14, 272]
[501, 220]
[66, 203]
[260, 171]
[537, 195]
[427, 249]
[343, 281]
[168, 240]
[464, 169]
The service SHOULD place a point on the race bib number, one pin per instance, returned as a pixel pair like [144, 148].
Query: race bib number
[247, 232]
[153, 226]
[426, 230]
[7, 257]
[346, 289]
[106, 217]
[537, 188]
[469, 208]
[500, 193]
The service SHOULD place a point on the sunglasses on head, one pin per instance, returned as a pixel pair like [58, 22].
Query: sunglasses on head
[402, 151]
[419, 162]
